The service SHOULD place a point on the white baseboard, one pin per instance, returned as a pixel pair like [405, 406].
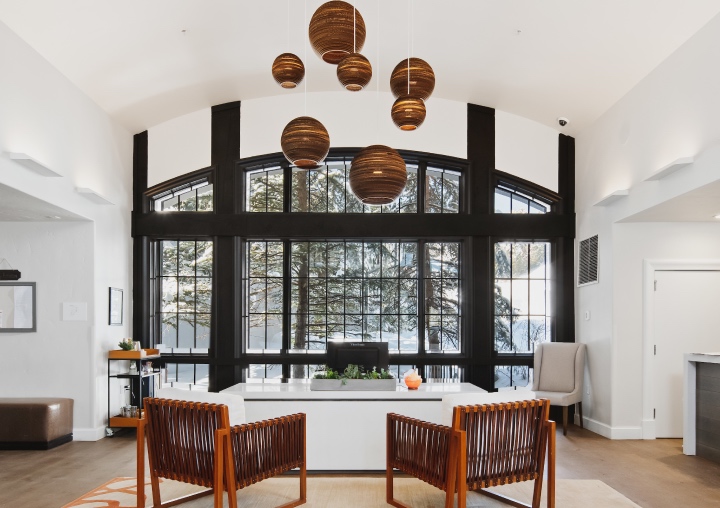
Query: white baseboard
[92, 434]
[612, 432]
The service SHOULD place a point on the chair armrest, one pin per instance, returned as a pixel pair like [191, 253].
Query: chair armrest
[421, 449]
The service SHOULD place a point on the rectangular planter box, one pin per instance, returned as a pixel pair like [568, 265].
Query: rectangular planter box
[132, 355]
[356, 385]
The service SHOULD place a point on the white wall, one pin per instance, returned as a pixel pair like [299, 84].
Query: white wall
[523, 147]
[53, 362]
[632, 244]
[47, 117]
[179, 146]
[672, 113]
[526, 149]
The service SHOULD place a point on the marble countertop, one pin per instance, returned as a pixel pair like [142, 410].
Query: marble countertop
[300, 390]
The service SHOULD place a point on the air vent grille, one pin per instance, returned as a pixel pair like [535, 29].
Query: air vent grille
[588, 261]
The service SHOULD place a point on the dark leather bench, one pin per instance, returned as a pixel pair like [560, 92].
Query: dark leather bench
[35, 423]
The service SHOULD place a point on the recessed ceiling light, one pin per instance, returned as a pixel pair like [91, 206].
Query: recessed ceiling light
[52, 216]
[716, 216]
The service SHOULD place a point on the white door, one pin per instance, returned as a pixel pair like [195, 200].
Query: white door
[686, 308]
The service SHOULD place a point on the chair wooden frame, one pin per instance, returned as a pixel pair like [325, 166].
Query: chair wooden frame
[486, 446]
[204, 450]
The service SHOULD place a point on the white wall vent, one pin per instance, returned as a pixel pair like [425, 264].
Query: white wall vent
[588, 261]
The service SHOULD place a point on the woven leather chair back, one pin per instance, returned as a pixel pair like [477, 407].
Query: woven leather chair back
[181, 438]
[505, 442]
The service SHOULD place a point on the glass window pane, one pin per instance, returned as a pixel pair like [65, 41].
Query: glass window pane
[205, 199]
[169, 294]
[169, 257]
[520, 296]
[502, 201]
[527, 300]
[168, 331]
[503, 260]
[520, 252]
[186, 330]
[520, 204]
[188, 201]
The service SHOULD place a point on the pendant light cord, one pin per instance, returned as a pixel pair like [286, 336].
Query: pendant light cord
[408, 47]
[354, 29]
[377, 116]
[288, 27]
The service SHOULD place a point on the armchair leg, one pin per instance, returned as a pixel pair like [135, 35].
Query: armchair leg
[582, 426]
[565, 418]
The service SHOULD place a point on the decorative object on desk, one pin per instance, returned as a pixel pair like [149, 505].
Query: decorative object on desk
[133, 370]
[17, 307]
[127, 344]
[116, 307]
[412, 379]
[354, 378]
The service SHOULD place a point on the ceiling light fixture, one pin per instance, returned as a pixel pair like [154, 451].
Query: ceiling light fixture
[408, 111]
[377, 175]
[336, 30]
[305, 141]
[417, 73]
[288, 70]
[354, 71]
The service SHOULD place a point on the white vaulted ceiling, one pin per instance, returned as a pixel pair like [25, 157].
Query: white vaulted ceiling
[146, 61]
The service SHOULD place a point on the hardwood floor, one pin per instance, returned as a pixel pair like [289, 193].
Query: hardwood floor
[651, 473]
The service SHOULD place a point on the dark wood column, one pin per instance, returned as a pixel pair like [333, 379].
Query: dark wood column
[481, 158]
[565, 255]
[141, 245]
[225, 342]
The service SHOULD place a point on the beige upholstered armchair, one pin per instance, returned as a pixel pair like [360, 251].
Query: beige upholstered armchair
[558, 375]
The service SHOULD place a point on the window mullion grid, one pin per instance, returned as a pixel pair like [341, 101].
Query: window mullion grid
[195, 282]
[421, 259]
[421, 185]
[287, 291]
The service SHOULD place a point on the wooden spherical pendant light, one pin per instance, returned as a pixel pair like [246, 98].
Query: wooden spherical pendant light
[305, 142]
[288, 70]
[408, 112]
[336, 30]
[354, 72]
[377, 175]
[421, 78]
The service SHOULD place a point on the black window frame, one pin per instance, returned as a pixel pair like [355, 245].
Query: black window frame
[476, 225]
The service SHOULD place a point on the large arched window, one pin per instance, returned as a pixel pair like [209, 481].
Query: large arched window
[246, 269]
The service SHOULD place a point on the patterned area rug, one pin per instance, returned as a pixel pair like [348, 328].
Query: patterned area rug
[355, 492]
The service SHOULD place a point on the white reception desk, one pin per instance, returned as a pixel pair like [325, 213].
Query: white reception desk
[345, 429]
[690, 438]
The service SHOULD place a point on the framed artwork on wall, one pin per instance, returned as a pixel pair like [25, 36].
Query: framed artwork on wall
[116, 306]
[17, 307]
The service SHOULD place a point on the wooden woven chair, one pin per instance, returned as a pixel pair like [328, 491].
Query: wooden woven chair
[488, 445]
[192, 442]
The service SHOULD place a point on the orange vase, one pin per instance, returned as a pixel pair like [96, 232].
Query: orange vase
[413, 381]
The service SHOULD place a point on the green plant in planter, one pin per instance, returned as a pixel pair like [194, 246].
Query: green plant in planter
[352, 372]
[127, 344]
